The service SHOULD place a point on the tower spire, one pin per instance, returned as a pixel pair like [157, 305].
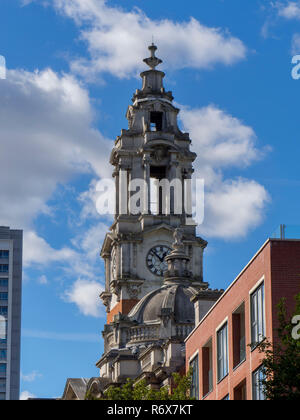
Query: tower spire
[152, 79]
[152, 61]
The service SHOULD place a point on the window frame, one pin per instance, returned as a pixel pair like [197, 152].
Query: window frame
[195, 383]
[4, 282]
[221, 328]
[4, 371]
[257, 306]
[257, 386]
[4, 254]
[241, 343]
[2, 270]
[3, 352]
[4, 296]
[3, 338]
[210, 371]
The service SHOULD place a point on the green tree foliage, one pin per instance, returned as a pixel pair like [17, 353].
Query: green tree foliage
[281, 363]
[180, 390]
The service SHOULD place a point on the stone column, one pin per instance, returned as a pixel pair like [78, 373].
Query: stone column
[187, 193]
[174, 175]
[147, 203]
[117, 192]
[107, 271]
[123, 191]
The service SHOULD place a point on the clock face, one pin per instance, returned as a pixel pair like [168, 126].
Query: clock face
[156, 259]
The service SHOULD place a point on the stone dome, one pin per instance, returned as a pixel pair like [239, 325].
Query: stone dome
[173, 299]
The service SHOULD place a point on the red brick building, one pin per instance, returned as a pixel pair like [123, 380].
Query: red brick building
[222, 348]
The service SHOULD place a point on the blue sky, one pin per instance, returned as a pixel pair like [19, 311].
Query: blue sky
[72, 67]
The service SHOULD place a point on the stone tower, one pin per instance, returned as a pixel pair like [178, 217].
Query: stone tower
[153, 259]
[152, 171]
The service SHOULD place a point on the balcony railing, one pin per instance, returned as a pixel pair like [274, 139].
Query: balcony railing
[144, 333]
[184, 330]
[152, 332]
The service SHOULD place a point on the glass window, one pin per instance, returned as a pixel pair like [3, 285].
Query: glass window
[3, 268]
[257, 316]
[2, 367]
[3, 354]
[240, 391]
[207, 373]
[238, 336]
[257, 385]
[194, 364]
[2, 396]
[4, 253]
[4, 282]
[2, 384]
[3, 296]
[3, 325]
[3, 310]
[222, 346]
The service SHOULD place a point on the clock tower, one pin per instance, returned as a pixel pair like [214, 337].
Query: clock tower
[152, 164]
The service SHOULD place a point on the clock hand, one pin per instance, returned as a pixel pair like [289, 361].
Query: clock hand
[164, 256]
[157, 256]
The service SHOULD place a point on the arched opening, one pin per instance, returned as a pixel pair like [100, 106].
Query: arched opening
[156, 121]
[157, 173]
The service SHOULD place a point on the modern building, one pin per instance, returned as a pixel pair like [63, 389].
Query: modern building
[153, 257]
[222, 349]
[11, 242]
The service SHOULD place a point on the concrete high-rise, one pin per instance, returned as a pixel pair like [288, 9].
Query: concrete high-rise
[11, 242]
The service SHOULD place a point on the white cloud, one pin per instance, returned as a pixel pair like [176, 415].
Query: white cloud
[90, 242]
[85, 294]
[43, 280]
[117, 39]
[83, 261]
[53, 141]
[232, 206]
[38, 251]
[25, 395]
[97, 193]
[289, 10]
[31, 377]
[219, 139]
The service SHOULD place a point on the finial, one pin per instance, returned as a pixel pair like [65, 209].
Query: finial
[152, 61]
[178, 260]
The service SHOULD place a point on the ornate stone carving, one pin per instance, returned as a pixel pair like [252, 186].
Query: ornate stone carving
[166, 316]
[116, 289]
[106, 299]
[177, 260]
[133, 290]
[159, 154]
[178, 238]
